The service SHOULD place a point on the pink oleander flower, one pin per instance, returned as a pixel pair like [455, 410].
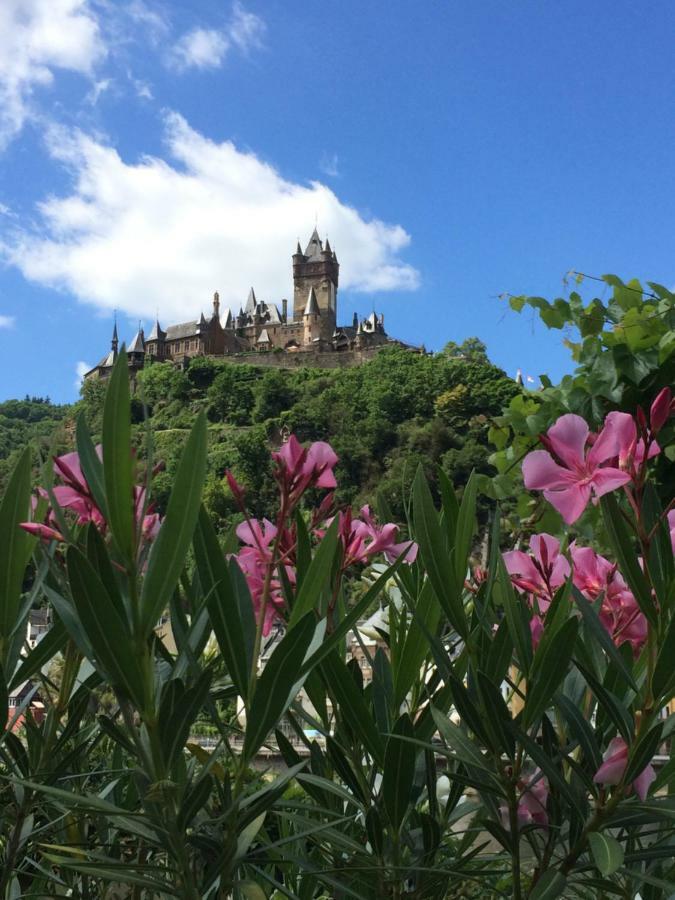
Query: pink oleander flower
[531, 803]
[75, 496]
[614, 766]
[632, 450]
[576, 472]
[671, 526]
[619, 612]
[540, 573]
[362, 539]
[255, 559]
[299, 469]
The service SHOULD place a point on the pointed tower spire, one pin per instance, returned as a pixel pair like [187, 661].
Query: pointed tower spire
[251, 303]
[115, 342]
[355, 321]
[312, 307]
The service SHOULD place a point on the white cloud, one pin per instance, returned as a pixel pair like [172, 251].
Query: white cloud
[98, 88]
[329, 164]
[81, 369]
[207, 48]
[158, 234]
[6, 321]
[36, 37]
[246, 30]
[200, 48]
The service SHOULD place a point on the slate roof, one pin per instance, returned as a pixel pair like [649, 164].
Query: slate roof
[157, 334]
[184, 330]
[314, 248]
[137, 345]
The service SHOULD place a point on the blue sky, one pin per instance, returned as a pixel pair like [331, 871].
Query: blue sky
[153, 152]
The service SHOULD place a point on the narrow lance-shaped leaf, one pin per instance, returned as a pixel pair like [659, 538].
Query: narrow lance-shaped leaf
[317, 575]
[627, 557]
[108, 634]
[117, 461]
[549, 667]
[91, 465]
[399, 771]
[167, 557]
[14, 543]
[435, 555]
[466, 525]
[222, 603]
[276, 685]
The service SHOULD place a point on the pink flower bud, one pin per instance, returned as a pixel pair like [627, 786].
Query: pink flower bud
[660, 410]
[238, 491]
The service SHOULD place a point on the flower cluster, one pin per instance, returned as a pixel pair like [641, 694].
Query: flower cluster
[532, 799]
[539, 574]
[268, 555]
[74, 495]
[577, 465]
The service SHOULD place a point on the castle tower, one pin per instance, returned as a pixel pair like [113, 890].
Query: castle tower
[316, 268]
[216, 305]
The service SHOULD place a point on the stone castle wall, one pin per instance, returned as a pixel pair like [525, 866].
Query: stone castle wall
[284, 360]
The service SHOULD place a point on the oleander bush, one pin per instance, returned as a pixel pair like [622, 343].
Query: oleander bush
[506, 735]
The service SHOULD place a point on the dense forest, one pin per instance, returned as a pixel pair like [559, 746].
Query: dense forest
[382, 418]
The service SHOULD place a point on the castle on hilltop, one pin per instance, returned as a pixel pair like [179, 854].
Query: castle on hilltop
[261, 333]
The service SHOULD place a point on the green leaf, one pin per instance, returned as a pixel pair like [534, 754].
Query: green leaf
[466, 525]
[435, 554]
[642, 753]
[233, 626]
[109, 635]
[498, 717]
[399, 771]
[167, 557]
[349, 703]
[515, 613]
[627, 557]
[551, 886]
[4, 702]
[278, 684]
[449, 504]
[45, 650]
[91, 465]
[317, 575]
[408, 662]
[458, 741]
[549, 667]
[14, 546]
[607, 852]
[117, 461]
[663, 681]
[179, 713]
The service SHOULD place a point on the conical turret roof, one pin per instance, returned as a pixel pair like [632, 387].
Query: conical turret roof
[312, 307]
[314, 248]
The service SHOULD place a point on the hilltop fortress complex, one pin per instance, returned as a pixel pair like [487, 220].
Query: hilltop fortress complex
[262, 334]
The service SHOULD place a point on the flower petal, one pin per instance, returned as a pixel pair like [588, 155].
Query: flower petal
[571, 502]
[608, 479]
[568, 438]
[643, 781]
[540, 472]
